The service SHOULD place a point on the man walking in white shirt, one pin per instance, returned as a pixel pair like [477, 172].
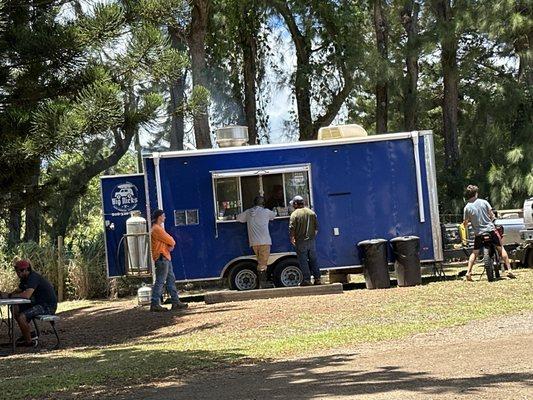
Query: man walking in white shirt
[257, 219]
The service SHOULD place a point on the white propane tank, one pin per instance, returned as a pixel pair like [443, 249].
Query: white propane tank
[144, 295]
[137, 245]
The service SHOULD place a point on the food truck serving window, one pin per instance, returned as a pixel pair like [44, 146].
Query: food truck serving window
[234, 191]
[228, 198]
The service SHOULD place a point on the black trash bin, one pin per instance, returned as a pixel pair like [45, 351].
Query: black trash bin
[375, 265]
[406, 251]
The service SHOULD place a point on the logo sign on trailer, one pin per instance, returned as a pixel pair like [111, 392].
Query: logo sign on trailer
[125, 197]
[120, 196]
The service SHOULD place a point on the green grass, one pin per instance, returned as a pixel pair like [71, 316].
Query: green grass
[77, 304]
[353, 318]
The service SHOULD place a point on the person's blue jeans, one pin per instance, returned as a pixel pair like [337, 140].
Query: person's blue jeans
[164, 276]
[306, 252]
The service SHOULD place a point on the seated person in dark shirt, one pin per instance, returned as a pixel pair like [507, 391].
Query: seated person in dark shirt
[42, 295]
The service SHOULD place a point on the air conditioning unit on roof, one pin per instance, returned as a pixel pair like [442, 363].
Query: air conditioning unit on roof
[231, 136]
[341, 132]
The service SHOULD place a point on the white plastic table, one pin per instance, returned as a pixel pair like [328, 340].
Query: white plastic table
[10, 319]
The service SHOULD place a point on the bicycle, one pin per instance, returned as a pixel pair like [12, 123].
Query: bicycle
[491, 258]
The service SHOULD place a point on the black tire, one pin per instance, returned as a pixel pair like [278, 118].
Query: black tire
[487, 263]
[287, 273]
[498, 264]
[243, 276]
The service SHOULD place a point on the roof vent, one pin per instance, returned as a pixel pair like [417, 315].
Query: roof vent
[341, 131]
[230, 136]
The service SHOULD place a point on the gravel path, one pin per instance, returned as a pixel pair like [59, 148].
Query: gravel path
[491, 359]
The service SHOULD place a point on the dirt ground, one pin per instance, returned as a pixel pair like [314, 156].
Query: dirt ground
[495, 362]
[490, 359]
[487, 359]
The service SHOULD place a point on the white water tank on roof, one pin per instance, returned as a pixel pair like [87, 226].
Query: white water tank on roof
[230, 136]
[341, 132]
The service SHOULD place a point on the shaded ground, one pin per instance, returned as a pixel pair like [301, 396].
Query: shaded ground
[482, 360]
[315, 347]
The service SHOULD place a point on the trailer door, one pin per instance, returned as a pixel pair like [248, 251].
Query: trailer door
[339, 230]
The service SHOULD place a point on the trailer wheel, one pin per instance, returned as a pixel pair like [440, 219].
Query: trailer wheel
[243, 277]
[288, 273]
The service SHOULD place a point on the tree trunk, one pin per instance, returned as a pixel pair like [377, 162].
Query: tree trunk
[523, 44]
[409, 18]
[450, 74]
[303, 98]
[248, 45]
[138, 152]
[198, 30]
[14, 227]
[177, 128]
[177, 98]
[302, 86]
[381, 28]
[524, 48]
[32, 226]
[301, 83]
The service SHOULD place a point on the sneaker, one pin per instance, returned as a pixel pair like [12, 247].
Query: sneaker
[510, 275]
[306, 283]
[31, 343]
[179, 306]
[317, 282]
[158, 308]
[22, 340]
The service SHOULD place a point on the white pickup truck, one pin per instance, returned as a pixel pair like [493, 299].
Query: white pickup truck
[525, 251]
[513, 223]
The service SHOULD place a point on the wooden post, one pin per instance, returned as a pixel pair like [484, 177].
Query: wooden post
[87, 281]
[60, 268]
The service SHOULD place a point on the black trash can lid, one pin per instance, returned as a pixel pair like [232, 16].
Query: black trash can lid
[404, 239]
[371, 242]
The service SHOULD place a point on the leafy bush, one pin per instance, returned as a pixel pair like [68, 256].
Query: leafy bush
[8, 279]
[42, 258]
[86, 272]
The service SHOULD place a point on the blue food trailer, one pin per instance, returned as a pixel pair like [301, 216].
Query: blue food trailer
[381, 186]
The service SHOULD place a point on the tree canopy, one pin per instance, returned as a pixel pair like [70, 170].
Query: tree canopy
[84, 84]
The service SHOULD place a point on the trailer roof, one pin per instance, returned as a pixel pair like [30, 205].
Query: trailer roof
[280, 146]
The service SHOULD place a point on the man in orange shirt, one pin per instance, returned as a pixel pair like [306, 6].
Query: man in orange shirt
[162, 245]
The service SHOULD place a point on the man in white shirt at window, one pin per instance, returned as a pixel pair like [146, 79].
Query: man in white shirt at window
[257, 219]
